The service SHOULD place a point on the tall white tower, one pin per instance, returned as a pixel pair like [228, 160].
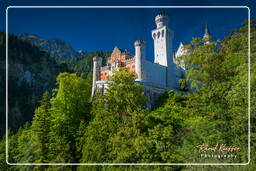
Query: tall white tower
[140, 57]
[162, 36]
[97, 63]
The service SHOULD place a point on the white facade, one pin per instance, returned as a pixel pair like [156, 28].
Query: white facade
[160, 75]
[177, 59]
[163, 72]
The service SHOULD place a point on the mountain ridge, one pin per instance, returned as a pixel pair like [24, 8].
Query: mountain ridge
[57, 48]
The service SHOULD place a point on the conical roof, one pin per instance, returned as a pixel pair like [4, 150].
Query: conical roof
[206, 30]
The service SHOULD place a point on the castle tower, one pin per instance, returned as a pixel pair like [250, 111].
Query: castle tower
[140, 57]
[162, 37]
[207, 37]
[97, 63]
[178, 56]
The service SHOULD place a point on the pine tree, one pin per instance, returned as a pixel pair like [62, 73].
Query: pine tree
[40, 130]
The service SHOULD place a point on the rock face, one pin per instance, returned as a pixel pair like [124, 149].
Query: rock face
[31, 72]
[81, 52]
[57, 48]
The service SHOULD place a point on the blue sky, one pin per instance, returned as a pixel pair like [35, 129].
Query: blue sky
[102, 29]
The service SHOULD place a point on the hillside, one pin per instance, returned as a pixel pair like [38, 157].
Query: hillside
[31, 72]
[82, 65]
[56, 47]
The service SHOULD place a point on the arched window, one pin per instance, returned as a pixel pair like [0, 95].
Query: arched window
[158, 34]
[162, 33]
[154, 36]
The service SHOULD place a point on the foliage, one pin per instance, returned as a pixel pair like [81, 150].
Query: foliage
[124, 95]
[221, 71]
[82, 65]
[111, 112]
[70, 105]
[31, 72]
[116, 127]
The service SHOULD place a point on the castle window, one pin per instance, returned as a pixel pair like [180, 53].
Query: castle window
[154, 35]
[162, 33]
[133, 66]
[158, 34]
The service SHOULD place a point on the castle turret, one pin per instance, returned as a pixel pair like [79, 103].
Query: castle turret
[162, 19]
[140, 57]
[179, 54]
[207, 37]
[97, 63]
[162, 36]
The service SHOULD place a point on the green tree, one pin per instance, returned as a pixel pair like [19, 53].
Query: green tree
[222, 102]
[41, 128]
[69, 107]
[122, 99]
[124, 95]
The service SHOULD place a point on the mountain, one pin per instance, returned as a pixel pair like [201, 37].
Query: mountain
[57, 48]
[31, 72]
[81, 52]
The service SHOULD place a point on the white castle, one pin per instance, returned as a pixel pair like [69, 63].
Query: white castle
[157, 77]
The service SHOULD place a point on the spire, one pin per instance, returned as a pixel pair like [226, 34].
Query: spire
[207, 37]
[180, 47]
[206, 31]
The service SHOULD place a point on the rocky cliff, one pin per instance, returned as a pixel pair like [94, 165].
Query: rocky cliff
[57, 48]
[31, 72]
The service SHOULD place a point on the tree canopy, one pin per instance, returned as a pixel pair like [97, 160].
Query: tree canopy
[69, 126]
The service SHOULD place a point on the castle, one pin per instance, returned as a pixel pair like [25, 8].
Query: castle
[157, 77]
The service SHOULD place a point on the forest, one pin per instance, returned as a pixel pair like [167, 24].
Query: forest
[69, 126]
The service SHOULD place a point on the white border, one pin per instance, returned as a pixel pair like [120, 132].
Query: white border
[249, 133]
